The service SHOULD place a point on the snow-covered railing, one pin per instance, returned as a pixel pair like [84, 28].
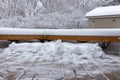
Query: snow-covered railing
[104, 35]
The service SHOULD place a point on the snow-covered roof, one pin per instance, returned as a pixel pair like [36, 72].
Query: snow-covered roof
[105, 11]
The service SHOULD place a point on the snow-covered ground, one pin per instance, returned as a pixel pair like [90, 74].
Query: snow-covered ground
[54, 60]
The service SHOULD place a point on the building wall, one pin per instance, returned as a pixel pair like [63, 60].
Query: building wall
[104, 22]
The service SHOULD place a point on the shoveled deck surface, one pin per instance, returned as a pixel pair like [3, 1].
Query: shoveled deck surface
[33, 68]
[107, 68]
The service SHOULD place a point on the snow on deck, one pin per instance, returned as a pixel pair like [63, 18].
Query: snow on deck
[56, 60]
[104, 11]
[56, 51]
[69, 32]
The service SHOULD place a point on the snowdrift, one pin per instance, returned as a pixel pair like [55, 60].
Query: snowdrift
[55, 51]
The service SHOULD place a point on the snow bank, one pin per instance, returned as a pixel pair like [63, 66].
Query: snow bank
[104, 11]
[74, 32]
[55, 51]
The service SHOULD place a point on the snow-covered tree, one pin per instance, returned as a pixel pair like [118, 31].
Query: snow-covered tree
[10, 8]
[47, 13]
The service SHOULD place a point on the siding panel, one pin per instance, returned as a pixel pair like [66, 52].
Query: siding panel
[104, 23]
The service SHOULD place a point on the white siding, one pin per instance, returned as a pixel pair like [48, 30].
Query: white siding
[104, 23]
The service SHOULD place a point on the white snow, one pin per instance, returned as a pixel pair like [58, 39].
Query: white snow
[74, 32]
[60, 14]
[39, 4]
[55, 60]
[55, 51]
[104, 11]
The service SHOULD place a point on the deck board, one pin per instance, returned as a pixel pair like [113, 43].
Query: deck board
[33, 69]
[113, 76]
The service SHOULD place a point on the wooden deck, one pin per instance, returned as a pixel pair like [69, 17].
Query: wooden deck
[21, 66]
[55, 37]
[33, 69]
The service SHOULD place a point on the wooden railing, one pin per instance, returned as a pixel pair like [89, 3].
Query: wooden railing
[91, 35]
[62, 37]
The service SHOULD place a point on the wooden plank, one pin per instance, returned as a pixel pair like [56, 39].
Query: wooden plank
[86, 38]
[64, 37]
[112, 76]
[100, 77]
[21, 37]
[95, 76]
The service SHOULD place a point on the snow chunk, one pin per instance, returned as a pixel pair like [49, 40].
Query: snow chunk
[104, 11]
[57, 51]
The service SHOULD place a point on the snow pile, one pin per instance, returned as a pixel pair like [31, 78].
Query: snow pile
[55, 51]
